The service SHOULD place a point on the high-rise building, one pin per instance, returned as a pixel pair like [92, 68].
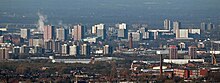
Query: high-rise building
[25, 33]
[122, 31]
[57, 46]
[203, 26]
[94, 29]
[210, 26]
[156, 35]
[65, 49]
[74, 50]
[49, 32]
[176, 26]
[192, 52]
[48, 44]
[36, 41]
[101, 31]
[144, 32]
[167, 24]
[78, 32]
[130, 41]
[136, 36]
[173, 52]
[4, 53]
[182, 33]
[85, 50]
[107, 50]
[61, 34]
[72, 33]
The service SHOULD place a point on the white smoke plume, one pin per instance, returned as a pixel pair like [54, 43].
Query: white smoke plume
[41, 20]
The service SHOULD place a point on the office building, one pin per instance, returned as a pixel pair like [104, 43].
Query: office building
[85, 50]
[195, 31]
[72, 33]
[57, 46]
[64, 49]
[192, 52]
[203, 26]
[144, 33]
[167, 24]
[182, 33]
[78, 32]
[25, 33]
[94, 29]
[107, 50]
[176, 26]
[122, 31]
[101, 31]
[36, 41]
[74, 50]
[136, 36]
[49, 32]
[173, 52]
[61, 34]
[210, 26]
[48, 44]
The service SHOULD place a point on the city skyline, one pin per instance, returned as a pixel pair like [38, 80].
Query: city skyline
[83, 41]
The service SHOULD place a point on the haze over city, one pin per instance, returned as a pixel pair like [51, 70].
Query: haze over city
[152, 12]
[109, 41]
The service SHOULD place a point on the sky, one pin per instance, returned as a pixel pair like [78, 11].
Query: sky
[151, 12]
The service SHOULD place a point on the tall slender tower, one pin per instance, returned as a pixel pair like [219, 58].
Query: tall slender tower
[49, 32]
[167, 24]
[130, 41]
[78, 32]
[176, 26]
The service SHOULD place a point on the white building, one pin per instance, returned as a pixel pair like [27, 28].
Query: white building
[122, 31]
[74, 50]
[101, 32]
[107, 50]
[183, 33]
[167, 24]
[183, 61]
[25, 33]
[64, 49]
[194, 31]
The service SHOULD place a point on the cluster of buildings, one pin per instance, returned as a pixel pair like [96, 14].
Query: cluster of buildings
[80, 41]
